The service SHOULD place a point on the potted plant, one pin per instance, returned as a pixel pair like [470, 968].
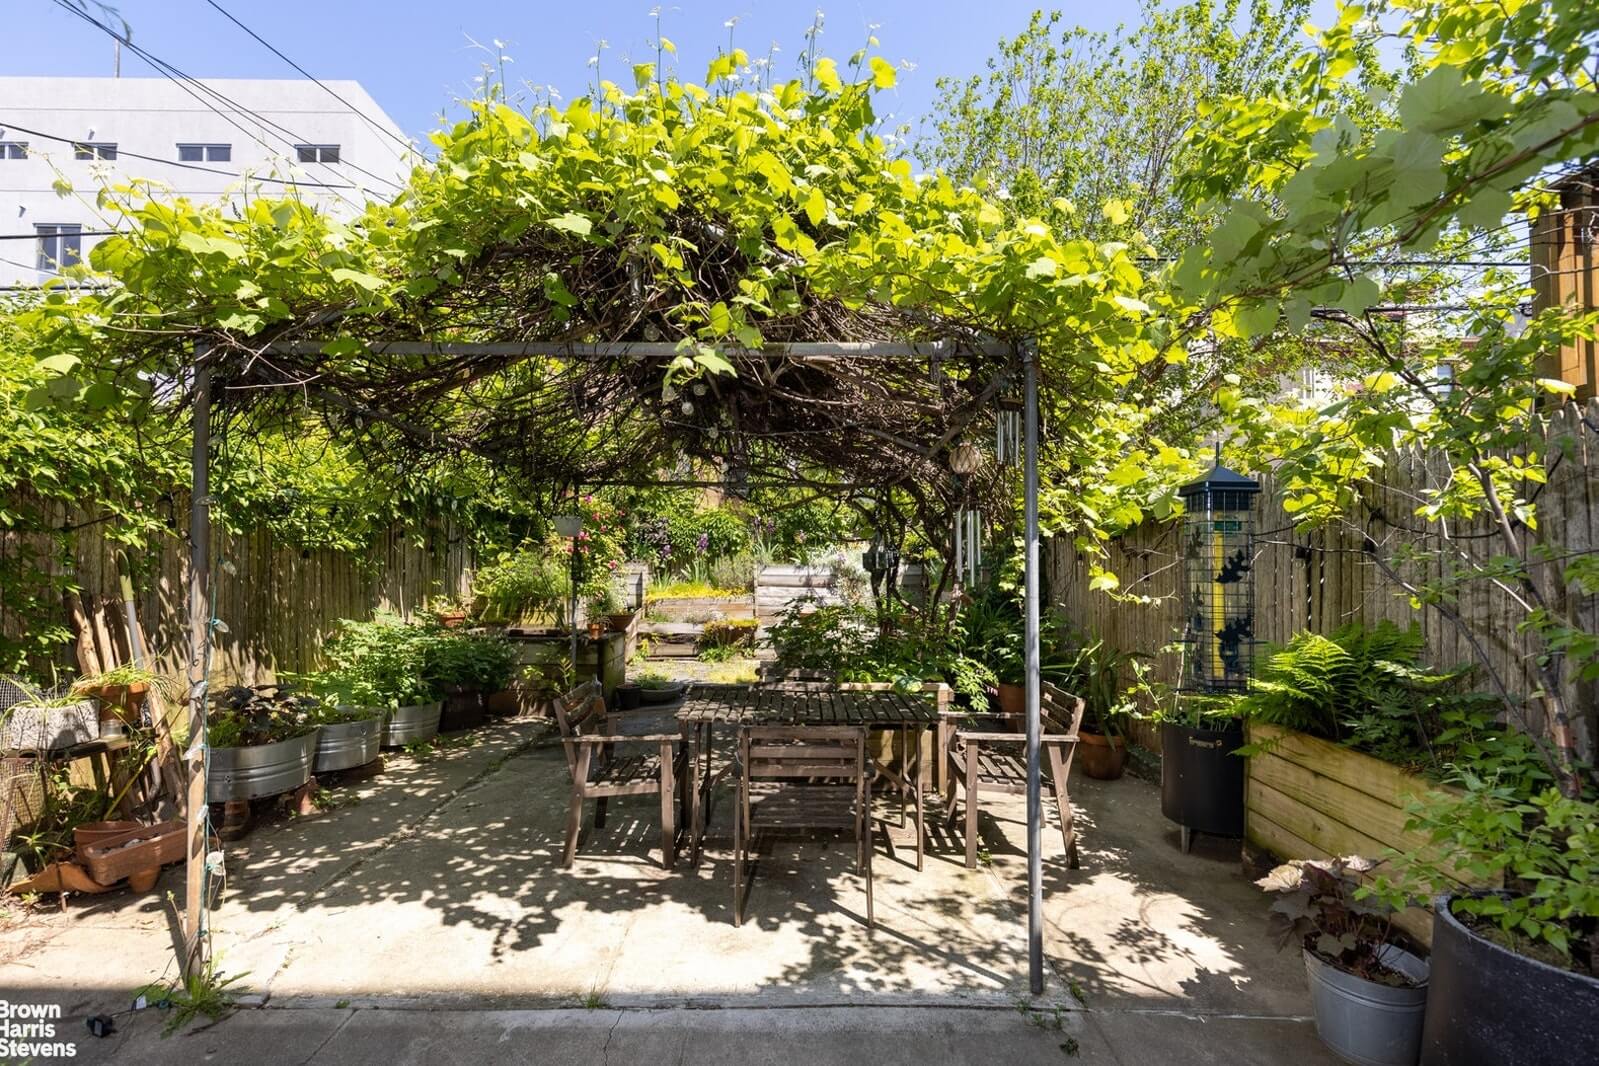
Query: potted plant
[260, 741]
[349, 735]
[1093, 670]
[1368, 993]
[656, 687]
[1515, 970]
[599, 606]
[382, 663]
[450, 612]
[1201, 772]
[123, 690]
[49, 723]
[526, 586]
[464, 667]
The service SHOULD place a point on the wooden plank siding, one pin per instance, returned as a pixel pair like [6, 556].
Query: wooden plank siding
[279, 603]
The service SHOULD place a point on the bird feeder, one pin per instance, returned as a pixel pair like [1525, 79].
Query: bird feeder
[1218, 565]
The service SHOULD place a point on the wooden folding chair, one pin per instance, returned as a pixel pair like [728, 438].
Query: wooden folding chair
[988, 753]
[801, 778]
[600, 770]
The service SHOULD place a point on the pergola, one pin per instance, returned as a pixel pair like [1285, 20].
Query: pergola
[882, 412]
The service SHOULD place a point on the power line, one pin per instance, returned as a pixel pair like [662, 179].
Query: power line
[173, 162]
[164, 71]
[172, 73]
[268, 46]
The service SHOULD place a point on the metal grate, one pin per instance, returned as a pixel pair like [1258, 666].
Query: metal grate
[1219, 625]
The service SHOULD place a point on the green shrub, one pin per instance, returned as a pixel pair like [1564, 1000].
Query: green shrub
[527, 583]
[468, 660]
[379, 663]
[737, 633]
[1543, 848]
[734, 572]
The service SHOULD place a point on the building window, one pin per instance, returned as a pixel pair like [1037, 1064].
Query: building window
[13, 149]
[94, 150]
[205, 153]
[60, 245]
[317, 153]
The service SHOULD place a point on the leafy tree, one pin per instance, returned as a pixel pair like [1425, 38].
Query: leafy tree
[1088, 129]
[1309, 189]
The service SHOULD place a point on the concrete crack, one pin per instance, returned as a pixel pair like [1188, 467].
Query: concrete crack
[309, 1058]
[605, 1052]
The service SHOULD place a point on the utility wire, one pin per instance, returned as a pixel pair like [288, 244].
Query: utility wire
[171, 72]
[268, 46]
[167, 71]
[173, 162]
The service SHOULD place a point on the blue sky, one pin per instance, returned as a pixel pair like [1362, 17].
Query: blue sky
[414, 56]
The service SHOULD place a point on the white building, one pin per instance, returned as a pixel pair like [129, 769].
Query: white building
[212, 140]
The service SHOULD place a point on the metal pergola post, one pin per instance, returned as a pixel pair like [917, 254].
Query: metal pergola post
[1035, 808]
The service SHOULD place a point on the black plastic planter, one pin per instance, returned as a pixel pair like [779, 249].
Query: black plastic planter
[463, 709]
[1486, 1004]
[1201, 780]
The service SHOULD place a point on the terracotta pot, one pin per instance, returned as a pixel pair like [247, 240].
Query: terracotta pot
[596, 630]
[1102, 758]
[620, 622]
[1012, 698]
[453, 620]
[142, 881]
[507, 702]
[91, 833]
[121, 703]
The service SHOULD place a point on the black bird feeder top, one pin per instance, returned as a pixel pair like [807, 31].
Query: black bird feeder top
[1220, 489]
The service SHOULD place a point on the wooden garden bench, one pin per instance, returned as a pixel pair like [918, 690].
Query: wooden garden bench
[794, 778]
[602, 766]
[988, 753]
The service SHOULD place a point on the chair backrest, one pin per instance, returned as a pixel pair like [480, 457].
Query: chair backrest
[771, 673]
[833, 752]
[1061, 711]
[577, 713]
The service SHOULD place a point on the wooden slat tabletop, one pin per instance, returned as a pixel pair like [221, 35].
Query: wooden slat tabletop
[753, 705]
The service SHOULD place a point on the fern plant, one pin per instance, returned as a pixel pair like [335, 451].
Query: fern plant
[1327, 685]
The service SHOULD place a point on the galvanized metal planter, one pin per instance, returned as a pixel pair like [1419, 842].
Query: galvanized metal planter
[348, 744]
[260, 770]
[1365, 1022]
[418, 722]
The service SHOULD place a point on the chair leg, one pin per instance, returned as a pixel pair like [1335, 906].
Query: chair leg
[599, 813]
[871, 916]
[950, 777]
[971, 806]
[574, 825]
[1063, 804]
[738, 861]
[668, 805]
[921, 820]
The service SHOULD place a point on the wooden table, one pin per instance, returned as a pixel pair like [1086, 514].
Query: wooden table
[708, 706]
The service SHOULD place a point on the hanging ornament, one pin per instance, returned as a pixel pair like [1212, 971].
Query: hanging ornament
[969, 544]
[1008, 431]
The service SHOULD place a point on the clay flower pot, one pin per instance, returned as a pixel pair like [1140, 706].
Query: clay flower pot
[1102, 758]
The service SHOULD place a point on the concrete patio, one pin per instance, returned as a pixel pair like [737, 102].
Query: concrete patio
[428, 902]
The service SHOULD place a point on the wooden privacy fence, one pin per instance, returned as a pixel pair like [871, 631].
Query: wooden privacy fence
[1321, 580]
[277, 602]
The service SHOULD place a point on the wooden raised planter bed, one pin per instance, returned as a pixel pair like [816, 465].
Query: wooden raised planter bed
[1308, 798]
